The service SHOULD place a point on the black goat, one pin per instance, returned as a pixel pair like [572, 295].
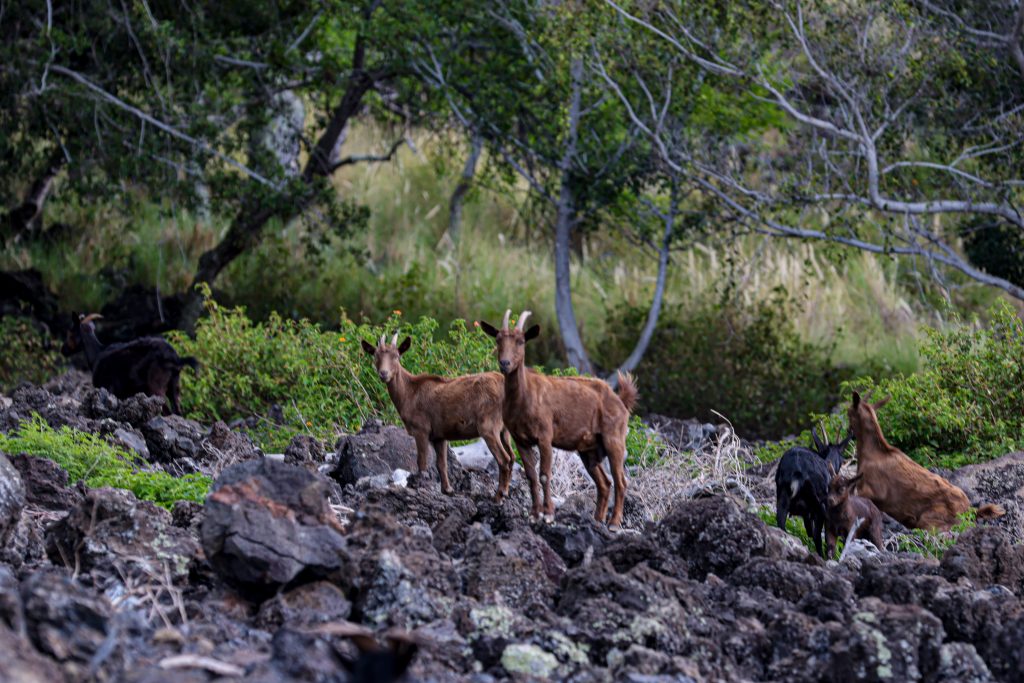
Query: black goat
[801, 485]
[147, 365]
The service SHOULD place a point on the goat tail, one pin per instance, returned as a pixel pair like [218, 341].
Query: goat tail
[990, 511]
[190, 361]
[627, 391]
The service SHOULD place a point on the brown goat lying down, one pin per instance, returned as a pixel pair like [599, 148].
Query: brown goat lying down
[913, 496]
[845, 509]
[572, 413]
[436, 409]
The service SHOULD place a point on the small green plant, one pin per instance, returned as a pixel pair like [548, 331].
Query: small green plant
[29, 354]
[794, 526]
[935, 544]
[89, 458]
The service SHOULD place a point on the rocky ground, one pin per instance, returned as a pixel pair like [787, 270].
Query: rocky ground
[330, 565]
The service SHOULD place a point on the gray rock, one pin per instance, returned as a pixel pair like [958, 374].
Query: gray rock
[267, 524]
[172, 439]
[46, 483]
[376, 449]
[111, 531]
[12, 498]
[21, 663]
[997, 481]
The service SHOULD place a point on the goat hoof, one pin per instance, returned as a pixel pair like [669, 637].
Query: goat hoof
[615, 528]
[549, 518]
[447, 491]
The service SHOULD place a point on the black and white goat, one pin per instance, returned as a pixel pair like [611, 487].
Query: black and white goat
[147, 365]
[801, 485]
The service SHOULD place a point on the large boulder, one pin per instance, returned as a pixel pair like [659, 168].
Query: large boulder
[46, 483]
[111, 531]
[997, 481]
[267, 524]
[377, 449]
[714, 535]
[21, 663]
[12, 498]
[174, 442]
[986, 555]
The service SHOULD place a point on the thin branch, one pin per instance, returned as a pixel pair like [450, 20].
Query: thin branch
[361, 158]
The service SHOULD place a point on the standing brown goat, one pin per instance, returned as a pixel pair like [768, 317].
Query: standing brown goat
[572, 413]
[846, 509]
[915, 497]
[436, 409]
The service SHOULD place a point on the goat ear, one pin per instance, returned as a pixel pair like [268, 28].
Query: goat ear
[855, 480]
[488, 329]
[368, 347]
[533, 332]
[878, 404]
[845, 442]
[856, 399]
[404, 346]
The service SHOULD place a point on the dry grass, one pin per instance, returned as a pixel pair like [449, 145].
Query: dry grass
[719, 467]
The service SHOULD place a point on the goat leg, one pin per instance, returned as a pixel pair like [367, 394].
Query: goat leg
[441, 450]
[529, 459]
[545, 479]
[850, 536]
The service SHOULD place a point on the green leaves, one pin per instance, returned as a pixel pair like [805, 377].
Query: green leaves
[87, 457]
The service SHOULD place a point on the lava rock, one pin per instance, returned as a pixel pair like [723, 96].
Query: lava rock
[986, 555]
[21, 663]
[376, 449]
[267, 524]
[573, 535]
[112, 529]
[12, 498]
[305, 451]
[173, 440]
[231, 446]
[307, 605]
[1001, 481]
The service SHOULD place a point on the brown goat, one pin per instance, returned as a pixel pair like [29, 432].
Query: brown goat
[915, 497]
[438, 409]
[572, 413]
[845, 508]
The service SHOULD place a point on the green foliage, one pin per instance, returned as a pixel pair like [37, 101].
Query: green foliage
[28, 353]
[323, 381]
[965, 405]
[644, 447]
[89, 458]
[748, 364]
[996, 248]
[794, 526]
[935, 544]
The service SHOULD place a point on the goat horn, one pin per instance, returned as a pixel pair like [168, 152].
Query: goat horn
[504, 323]
[394, 340]
[381, 342]
[522, 320]
[824, 432]
[90, 318]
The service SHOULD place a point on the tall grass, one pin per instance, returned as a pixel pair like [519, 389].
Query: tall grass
[404, 261]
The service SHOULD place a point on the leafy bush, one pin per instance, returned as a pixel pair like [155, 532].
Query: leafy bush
[322, 381]
[29, 354]
[794, 526]
[935, 544]
[965, 405]
[89, 458]
[750, 365]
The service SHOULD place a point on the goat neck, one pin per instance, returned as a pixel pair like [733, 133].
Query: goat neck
[399, 387]
[91, 344]
[517, 391]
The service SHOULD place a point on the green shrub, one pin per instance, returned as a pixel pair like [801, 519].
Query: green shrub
[29, 355]
[935, 544]
[749, 365]
[324, 382]
[965, 405]
[794, 526]
[89, 458]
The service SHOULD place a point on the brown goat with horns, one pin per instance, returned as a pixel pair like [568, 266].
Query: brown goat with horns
[572, 413]
[910, 494]
[436, 409]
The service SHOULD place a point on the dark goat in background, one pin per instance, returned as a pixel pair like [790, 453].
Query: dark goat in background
[147, 365]
[801, 485]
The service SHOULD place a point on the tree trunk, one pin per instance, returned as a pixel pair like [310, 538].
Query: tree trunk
[459, 194]
[575, 353]
[20, 220]
[247, 228]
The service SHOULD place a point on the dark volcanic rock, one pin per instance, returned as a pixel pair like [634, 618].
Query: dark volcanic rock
[986, 555]
[174, 440]
[573, 535]
[112, 529]
[305, 451]
[376, 449]
[65, 620]
[21, 663]
[307, 605]
[267, 524]
[231, 446]
[448, 517]
[997, 481]
[12, 498]
[516, 568]
[714, 535]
